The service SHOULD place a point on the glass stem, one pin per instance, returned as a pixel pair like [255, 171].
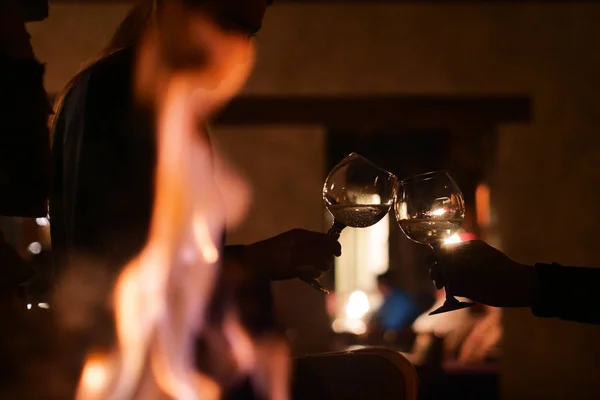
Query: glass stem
[336, 229]
[449, 296]
[451, 303]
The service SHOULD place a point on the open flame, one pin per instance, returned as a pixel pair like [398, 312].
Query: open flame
[161, 296]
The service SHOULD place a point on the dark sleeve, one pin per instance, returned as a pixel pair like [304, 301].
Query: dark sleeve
[568, 293]
[92, 168]
[253, 294]
[86, 170]
[107, 174]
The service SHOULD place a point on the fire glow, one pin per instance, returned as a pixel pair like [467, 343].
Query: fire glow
[161, 296]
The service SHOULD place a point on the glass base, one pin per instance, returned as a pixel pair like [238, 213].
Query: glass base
[451, 304]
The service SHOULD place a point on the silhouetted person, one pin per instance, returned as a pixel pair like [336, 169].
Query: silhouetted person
[486, 275]
[104, 159]
[25, 337]
[104, 155]
[24, 143]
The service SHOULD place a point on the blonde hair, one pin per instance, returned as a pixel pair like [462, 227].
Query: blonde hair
[126, 36]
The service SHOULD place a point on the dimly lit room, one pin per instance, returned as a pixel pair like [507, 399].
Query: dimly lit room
[299, 199]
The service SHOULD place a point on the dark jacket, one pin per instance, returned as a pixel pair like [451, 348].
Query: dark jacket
[568, 293]
[103, 158]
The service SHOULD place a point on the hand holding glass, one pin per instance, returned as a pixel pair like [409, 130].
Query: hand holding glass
[430, 208]
[358, 194]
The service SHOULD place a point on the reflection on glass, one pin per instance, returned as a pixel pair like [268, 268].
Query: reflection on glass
[358, 193]
[430, 210]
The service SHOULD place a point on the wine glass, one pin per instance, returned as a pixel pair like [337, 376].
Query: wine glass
[358, 194]
[430, 208]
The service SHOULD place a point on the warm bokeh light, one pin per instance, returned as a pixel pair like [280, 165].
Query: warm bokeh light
[95, 377]
[42, 221]
[356, 273]
[482, 205]
[454, 239]
[358, 305]
[355, 326]
[351, 320]
[438, 212]
[34, 248]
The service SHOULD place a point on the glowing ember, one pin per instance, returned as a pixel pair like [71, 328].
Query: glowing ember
[161, 296]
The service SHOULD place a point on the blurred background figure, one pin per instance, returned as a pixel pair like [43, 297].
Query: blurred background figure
[452, 328]
[483, 341]
[469, 335]
[391, 322]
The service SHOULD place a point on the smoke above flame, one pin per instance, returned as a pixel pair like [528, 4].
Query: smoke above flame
[161, 297]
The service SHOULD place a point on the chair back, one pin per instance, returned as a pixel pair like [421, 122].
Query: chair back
[366, 373]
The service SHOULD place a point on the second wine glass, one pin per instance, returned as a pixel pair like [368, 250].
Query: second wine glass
[430, 208]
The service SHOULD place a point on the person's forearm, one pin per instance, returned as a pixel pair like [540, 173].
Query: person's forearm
[238, 254]
[253, 290]
[253, 266]
[568, 293]
[234, 251]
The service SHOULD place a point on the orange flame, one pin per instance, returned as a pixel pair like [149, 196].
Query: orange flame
[161, 296]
